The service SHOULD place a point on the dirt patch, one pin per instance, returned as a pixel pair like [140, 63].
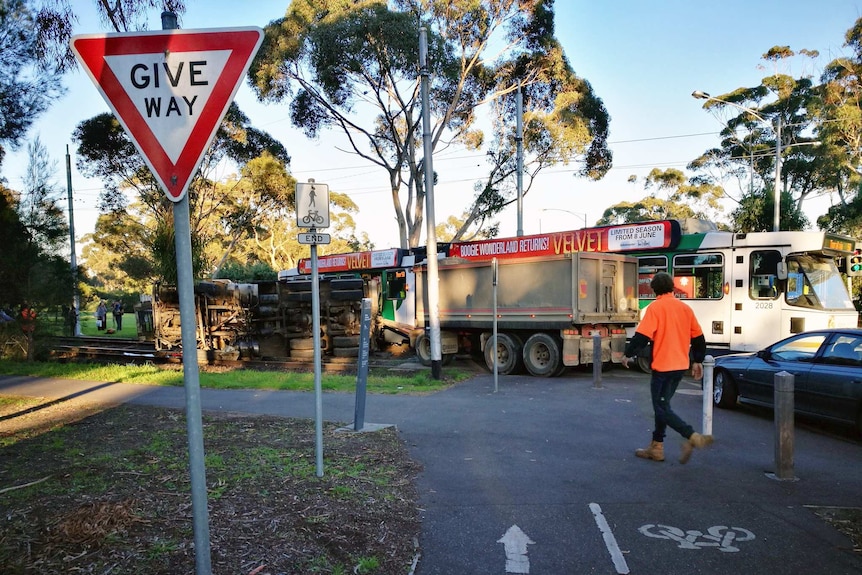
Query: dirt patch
[106, 490]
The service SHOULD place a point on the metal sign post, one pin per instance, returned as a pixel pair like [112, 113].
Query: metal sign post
[312, 211]
[494, 332]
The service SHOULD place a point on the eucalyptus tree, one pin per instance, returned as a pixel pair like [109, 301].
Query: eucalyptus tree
[840, 115]
[353, 67]
[33, 234]
[779, 106]
[672, 196]
[106, 152]
[55, 20]
[28, 84]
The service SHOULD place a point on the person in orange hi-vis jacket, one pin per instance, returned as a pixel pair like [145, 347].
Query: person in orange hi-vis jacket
[671, 326]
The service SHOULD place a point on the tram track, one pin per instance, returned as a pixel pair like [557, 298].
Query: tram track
[133, 351]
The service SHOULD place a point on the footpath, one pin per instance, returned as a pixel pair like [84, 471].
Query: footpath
[540, 477]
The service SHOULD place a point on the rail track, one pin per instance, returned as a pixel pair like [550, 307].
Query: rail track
[121, 350]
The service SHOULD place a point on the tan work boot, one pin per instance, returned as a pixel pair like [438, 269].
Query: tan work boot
[655, 451]
[696, 440]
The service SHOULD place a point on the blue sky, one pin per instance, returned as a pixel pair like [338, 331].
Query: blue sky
[643, 59]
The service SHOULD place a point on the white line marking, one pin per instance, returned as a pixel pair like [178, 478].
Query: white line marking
[610, 541]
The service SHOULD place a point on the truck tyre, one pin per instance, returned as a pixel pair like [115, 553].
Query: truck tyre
[302, 353]
[542, 356]
[508, 353]
[301, 343]
[423, 352]
[346, 352]
[423, 349]
[345, 341]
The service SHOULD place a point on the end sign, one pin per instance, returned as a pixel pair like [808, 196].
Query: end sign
[170, 90]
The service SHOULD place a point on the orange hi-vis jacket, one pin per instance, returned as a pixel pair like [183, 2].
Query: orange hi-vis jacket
[671, 325]
[28, 319]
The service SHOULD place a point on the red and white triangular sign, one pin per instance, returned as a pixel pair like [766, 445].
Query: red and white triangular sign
[170, 90]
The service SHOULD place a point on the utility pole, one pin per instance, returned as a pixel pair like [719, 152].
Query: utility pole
[76, 300]
[433, 288]
[519, 139]
[776, 215]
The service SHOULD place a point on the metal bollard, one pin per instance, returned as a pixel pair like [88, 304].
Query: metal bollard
[783, 415]
[708, 369]
[362, 366]
[597, 359]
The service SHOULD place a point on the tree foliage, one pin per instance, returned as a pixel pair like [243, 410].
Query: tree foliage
[354, 66]
[133, 201]
[27, 85]
[793, 108]
[839, 111]
[672, 197]
[55, 21]
[32, 230]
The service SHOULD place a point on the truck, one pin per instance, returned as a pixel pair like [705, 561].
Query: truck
[261, 320]
[548, 309]
[747, 290]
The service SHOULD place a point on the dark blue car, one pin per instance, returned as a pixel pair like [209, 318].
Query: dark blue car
[827, 369]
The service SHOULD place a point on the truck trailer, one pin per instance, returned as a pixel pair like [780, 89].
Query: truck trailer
[548, 309]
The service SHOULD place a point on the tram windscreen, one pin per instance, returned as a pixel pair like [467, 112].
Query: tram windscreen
[815, 282]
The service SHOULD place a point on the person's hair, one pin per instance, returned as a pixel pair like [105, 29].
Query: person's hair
[661, 283]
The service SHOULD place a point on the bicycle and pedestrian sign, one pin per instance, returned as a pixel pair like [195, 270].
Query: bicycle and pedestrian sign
[312, 205]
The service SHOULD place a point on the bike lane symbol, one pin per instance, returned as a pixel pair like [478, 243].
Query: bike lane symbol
[716, 536]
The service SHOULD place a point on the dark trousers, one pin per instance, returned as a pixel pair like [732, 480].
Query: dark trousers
[662, 387]
[118, 321]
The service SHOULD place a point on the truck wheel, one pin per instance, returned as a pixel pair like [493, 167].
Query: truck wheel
[508, 353]
[423, 349]
[302, 343]
[542, 356]
[423, 352]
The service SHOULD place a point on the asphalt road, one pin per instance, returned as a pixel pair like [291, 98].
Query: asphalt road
[540, 477]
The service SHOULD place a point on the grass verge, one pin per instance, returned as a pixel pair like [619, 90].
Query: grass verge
[387, 382]
[106, 490]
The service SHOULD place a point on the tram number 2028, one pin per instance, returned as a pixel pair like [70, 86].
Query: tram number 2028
[763, 305]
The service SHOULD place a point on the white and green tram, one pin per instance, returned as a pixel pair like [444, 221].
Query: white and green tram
[751, 289]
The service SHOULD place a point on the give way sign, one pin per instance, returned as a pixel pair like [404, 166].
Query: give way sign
[170, 90]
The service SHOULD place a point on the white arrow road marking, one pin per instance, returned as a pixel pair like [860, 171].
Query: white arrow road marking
[515, 543]
[610, 541]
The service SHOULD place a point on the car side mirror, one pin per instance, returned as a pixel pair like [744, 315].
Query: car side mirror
[781, 270]
[764, 354]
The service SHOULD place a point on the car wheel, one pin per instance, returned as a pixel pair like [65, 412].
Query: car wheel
[724, 392]
[644, 364]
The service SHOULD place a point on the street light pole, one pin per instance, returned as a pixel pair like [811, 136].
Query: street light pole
[776, 214]
[776, 223]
